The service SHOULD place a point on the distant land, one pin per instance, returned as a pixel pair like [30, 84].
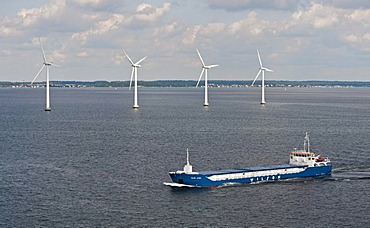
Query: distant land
[187, 83]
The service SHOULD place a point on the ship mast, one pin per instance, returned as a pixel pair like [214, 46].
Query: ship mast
[188, 168]
[187, 157]
[306, 144]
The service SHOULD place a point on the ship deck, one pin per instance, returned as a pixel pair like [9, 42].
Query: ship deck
[252, 169]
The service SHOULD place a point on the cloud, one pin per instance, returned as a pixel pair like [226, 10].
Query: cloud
[5, 52]
[100, 28]
[249, 23]
[31, 18]
[118, 58]
[8, 31]
[361, 15]
[88, 2]
[242, 5]
[146, 12]
[190, 35]
[318, 16]
[213, 28]
[357, 38]
[353, 4]
[166, 29]
[28, 17]
[83, 54]
[93, 33]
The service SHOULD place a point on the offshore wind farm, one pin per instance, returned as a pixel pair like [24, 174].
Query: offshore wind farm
[96, 153]
[98, 160]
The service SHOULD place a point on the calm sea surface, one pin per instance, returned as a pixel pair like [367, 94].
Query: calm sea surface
[94, 161]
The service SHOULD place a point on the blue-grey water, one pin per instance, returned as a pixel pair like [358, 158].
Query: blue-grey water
[94, 161]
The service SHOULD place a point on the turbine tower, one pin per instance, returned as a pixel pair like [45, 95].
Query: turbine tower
[134, 72]
[47, 64]
[204, 69]
[262, 69]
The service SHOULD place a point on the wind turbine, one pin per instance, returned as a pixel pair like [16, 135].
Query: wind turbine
[134, 72]
[204, 69]
[262, 69]
[47, 64]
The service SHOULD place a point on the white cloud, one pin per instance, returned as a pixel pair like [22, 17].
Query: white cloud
[100, 28]
[5, 52]
[361, 15]
[190, 35]
[242, 5]
[146, 12]
[118, 58]
[248, 22]
[167, 29]
[8, 32]
[213, 28]
[58, 55]
[357, 38]
[318, 16]
[303, 33]
[28, 17]
[83, 54]
[88, 2]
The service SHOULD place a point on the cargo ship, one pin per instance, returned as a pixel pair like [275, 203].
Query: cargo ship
[302, 164]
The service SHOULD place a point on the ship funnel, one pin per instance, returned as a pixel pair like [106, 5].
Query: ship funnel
[188, 168]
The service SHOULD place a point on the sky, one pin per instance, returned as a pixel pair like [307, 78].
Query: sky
[298, 39]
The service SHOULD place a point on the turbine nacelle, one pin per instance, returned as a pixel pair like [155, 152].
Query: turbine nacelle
[134, 66]
[134, 73]
[132, 63]
[209, 67]
[204, 67]
[45, 63]
[261, 69]
[51, 64]
[266, 69]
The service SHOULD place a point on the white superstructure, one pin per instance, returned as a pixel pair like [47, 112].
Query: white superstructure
[307, 157]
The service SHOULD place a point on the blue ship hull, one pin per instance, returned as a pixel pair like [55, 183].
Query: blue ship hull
[244, 176]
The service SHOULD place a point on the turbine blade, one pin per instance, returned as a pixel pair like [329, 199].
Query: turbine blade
[138, 62]
[200, 58]
[256, 77]
[211, 66]
[55, 65]
[200, 77]
[132, 63]
[269, 70]
[132, 75]
[259, 58]
[38, 73]
[42, 50]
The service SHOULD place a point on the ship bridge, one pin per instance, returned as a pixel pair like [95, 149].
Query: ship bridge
[307, 157]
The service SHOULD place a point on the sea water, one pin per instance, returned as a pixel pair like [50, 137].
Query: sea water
[95, 161]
